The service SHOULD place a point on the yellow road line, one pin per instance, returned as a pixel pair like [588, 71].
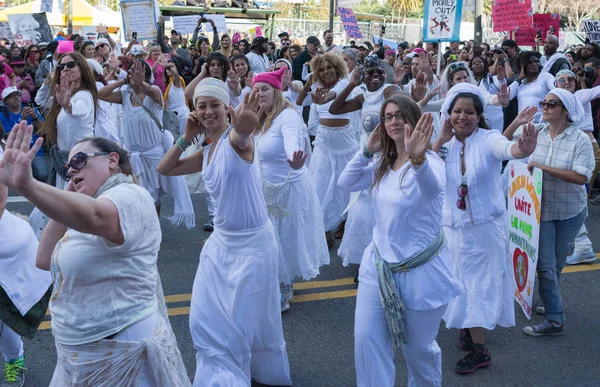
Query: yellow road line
[324, 295]
[323, 284]
[582, 267]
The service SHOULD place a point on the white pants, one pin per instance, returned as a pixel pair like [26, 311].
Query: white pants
[11, 344]
[373, 348]
[583, 244]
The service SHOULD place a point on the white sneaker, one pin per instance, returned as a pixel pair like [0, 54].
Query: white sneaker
[285, 304]
[586, 257]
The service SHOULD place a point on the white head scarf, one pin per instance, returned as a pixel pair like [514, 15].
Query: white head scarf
[459, 88]
[573, 106]
[212, 87]
[96, 67]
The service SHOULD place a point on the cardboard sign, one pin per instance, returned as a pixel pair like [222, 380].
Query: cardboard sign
[30, 28]
[543, 25]
[139, 16]
[592, 29]
[349, 22]
[187, 24]
[511, 15]
[441, 21]
[524, 214]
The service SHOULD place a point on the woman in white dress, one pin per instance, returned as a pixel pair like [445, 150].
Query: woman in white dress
[290, 195]
[101, 244]
[474, 220]
[106, 118]
[405, 277]
[359, 226]
[335, 143]
[142, 113]
[174, 95]
[235, 316]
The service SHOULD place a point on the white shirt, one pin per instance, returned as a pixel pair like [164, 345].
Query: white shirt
[258, 63]
[74, 127]
[530, 94]
[323, 110]
[278, 144]
[176, 101]
[585, 96]
[101, 288]
[106, 120]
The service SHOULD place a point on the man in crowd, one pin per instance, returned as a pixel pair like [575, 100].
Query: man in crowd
[553, 61]
[329, 46]
[454, 49]
[257, 57]
[284, 39]
[312, 46]
[179, 55]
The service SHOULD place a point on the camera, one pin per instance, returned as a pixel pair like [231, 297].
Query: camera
[499, 51]
[588, 72]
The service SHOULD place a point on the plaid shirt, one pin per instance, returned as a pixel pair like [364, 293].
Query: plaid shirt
[569, 151]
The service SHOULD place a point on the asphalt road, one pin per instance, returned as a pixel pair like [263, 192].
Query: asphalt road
[319, 325]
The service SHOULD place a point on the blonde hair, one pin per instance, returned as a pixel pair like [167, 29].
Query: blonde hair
[279, 104]
[336, 61]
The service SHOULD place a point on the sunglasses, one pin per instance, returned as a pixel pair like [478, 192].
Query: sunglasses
[101, 45]
[564, 80]
[69, 65]
[463, 190]
[550, 104]
[457, 66]
[78, 162]
[34, 51]
[372, 72]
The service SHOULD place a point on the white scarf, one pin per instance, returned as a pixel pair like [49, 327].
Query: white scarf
[550, 61]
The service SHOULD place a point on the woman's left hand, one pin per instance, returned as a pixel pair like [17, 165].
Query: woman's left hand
[532, 165]
[503, 95]
[15, 169]
[139, 74]
[417, 142]
[233, 80]
[297, 160]
[64, 91]
[528, 141]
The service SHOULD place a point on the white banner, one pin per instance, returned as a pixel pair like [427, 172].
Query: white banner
[139, 16]
[524, 212]
[187, 24]
[90, 32]
[441, 22]
[592, 29]
[220, 23]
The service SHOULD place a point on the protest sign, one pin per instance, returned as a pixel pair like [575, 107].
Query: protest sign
[524, 212]
[220, 23]
[5, 32]
[259, 31]
[90, 33]
[592, 29]
[543, 24]
[349, 22]
[46, 6]
[30, 28]
[139, 16]
[187, 24]
[511, 15]
[386, 42]
[441, 22]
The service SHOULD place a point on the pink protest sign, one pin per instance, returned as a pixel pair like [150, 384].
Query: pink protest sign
[511, 15]
[259, 31]
[543, 25]
[350, 24]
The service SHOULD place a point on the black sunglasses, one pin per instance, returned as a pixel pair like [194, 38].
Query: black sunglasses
[69, 65]
[101, 45]
[34, 51]
[463, 190]
[550, 104]
[372, 72]
[77, 162]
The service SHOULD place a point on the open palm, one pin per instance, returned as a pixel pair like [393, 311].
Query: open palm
[417, 142]
[15, 169]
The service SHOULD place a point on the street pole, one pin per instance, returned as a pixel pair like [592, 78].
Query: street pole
[70, 18]
[331, 13]
[479, 21]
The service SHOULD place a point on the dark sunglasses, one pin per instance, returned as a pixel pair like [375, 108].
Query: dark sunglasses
[372, 72]
[69, 65]
[101, 45]
[564, 80]
[457, 66]
[463, 190]
[550, 104]
[121, 65]
[77, 162]
[34, 51]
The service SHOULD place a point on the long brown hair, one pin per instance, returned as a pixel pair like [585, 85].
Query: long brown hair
[389, 154]
[87, 82]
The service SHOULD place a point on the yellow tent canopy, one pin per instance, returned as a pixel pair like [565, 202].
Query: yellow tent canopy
[83, 14]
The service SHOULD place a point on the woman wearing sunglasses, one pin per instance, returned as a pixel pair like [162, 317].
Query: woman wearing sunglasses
[102, 244]
[565, 154]
[235, 315]
[368, 100]
[405, 277]
[474, 220]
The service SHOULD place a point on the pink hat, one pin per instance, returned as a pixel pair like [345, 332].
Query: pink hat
[273, 78]
[65, 46]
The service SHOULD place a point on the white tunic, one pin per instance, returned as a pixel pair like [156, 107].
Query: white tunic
[106, 120]
[530, 94]
[176, 101]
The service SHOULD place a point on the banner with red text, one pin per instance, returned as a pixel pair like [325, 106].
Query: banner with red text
[524, 214]
[511, 15]
[543, 25]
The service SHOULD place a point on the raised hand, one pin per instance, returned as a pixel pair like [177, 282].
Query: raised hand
[112, 63]
[193, 127]
[374, 141]
[64, 91]
[102, 29]
[528, 141]
[356, 77]
[417, 142]
[249, 78]
[297, 160]
[526, 115]
[503, 95]
[399, 73]
[318, 96]
[251, 103]
[233, 80]
[204, 70]
[162, 60]
[419, 89]
[245, 121]
[15, 169]
[139, 74]
[446, 132]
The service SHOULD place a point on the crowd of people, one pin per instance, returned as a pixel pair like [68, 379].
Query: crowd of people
[296, 147]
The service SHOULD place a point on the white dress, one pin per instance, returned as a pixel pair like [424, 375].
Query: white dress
[176, 101]
[235, 313]
[106, 120]
[478, 235]
[333, 148]
[291, 199]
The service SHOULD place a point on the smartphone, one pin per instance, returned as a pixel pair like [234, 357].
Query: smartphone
[382, 29]
[134, 35]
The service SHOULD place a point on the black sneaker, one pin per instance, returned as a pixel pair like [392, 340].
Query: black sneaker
[547, 328]
[479, 357]
[465, 341]
[210, 224]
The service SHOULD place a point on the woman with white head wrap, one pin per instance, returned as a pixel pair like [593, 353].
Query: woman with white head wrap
[564, 154]
[235, 317]
[474, 220]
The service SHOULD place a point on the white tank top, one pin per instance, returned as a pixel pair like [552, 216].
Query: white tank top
[370, 113]
[235, 188]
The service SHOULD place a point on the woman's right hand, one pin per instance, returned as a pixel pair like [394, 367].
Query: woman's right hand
[193, 127]
[446, 132]
[526, 115]
[204, 70]
[356, 77]
[374, 141]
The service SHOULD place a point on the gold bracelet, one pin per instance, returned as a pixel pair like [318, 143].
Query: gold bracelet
[417, 162]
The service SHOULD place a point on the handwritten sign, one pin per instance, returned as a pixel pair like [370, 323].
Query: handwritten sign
[46, 6]
[543, 24]
[592, 29]
[5, 32]
[29, 28]
[441, 21]
[90, 33]
[511, 15]
[187, 24]
[524, 212]
[349, 22]
[220, 23]
[139, 16]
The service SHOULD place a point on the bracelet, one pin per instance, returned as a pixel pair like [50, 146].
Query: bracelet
[366, 153]
[182, 144]
[417, 162]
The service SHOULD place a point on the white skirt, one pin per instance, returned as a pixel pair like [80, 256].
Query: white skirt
[333, 149]
[358, 233]
[481, 261]
[300, 232]
[235, 314]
